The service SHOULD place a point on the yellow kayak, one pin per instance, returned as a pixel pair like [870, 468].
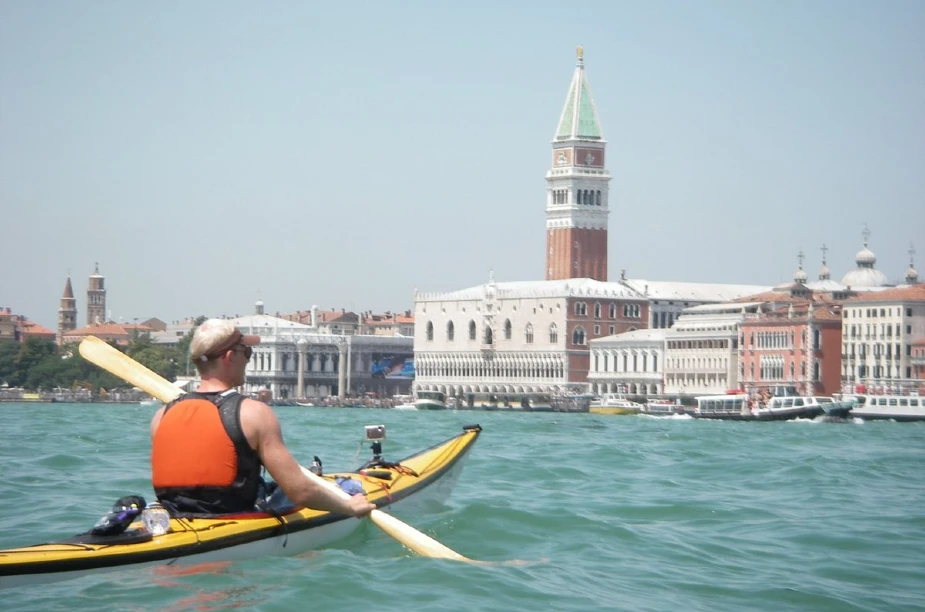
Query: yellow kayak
[425, 476]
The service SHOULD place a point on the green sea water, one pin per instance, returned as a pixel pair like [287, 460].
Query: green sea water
[613, 513]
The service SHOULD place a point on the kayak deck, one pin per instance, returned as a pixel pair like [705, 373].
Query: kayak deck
[231, 537]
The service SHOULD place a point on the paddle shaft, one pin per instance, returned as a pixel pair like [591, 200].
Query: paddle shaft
[115, 362]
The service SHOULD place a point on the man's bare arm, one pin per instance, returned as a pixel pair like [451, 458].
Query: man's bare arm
[258, 420]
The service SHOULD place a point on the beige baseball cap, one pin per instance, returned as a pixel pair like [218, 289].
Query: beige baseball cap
[214, 337]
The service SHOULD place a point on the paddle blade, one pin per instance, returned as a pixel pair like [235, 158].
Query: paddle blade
[115, 362]
[413, 539]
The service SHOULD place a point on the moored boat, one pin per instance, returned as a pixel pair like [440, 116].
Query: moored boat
[424, 476]
[903, 408]
[430, 400]
[662, 407]
[614, 403]
[838, 409]
[525, 402]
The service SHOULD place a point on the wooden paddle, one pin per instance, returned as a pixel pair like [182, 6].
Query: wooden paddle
[115, 362]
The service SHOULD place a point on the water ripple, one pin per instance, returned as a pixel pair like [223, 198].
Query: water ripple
[611, 513]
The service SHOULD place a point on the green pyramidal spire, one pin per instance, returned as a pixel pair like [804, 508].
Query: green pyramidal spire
[579, 116]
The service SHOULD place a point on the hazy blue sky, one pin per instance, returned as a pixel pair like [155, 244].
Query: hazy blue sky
[345, 154]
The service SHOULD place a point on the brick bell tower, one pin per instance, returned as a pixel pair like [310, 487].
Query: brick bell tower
[577, 188]
[96, 298]
[67, 311]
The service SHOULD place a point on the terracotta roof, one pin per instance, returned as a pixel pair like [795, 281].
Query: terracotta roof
[34, 329]
[824, 313]
[919, 342]
[785, 295]
[107, 329]
[914, 293]
[322, 316]
[331, 316]
[155, 324]
[823, 310]
[767, 296]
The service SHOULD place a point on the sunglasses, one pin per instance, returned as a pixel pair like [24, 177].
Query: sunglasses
[248, 351]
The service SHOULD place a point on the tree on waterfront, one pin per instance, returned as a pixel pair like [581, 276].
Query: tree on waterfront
[37, 365]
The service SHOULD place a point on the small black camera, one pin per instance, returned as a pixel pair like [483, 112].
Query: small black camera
[375, 433]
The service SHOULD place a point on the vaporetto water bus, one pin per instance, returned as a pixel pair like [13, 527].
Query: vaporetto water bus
[871, 407]
[426, 476]
[739, 407]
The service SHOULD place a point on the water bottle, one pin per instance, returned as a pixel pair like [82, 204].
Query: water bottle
[156, 519]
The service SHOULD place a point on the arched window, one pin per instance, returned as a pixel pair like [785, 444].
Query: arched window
[598, 197]
[430, 330]
[578, 336]
[528, 334]
[507, 329]
[553, 334]
[488, 335]
[472, 330]
[597, 310]
[612, 311]
[450, 331]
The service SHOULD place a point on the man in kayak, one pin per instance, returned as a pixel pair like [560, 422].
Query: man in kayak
[207, 447]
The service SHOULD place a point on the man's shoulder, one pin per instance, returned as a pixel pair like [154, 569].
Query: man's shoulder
[255, 408]
[255, 403]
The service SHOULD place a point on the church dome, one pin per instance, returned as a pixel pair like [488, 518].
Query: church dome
[865, 277]
[799, 276]
[824, 273]
[865, 256]
[912, 277]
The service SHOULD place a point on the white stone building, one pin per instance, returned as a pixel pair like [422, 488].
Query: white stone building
[630, 363]
[878, 332]
[702, 349]
[295, 360]
[524, 338]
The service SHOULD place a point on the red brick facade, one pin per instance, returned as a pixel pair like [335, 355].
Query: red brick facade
[589, 318]
[786, 348]
[576, 253]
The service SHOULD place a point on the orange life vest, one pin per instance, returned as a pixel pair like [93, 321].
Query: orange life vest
[201, 463]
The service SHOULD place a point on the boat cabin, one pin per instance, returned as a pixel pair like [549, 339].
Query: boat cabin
[723, 404]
